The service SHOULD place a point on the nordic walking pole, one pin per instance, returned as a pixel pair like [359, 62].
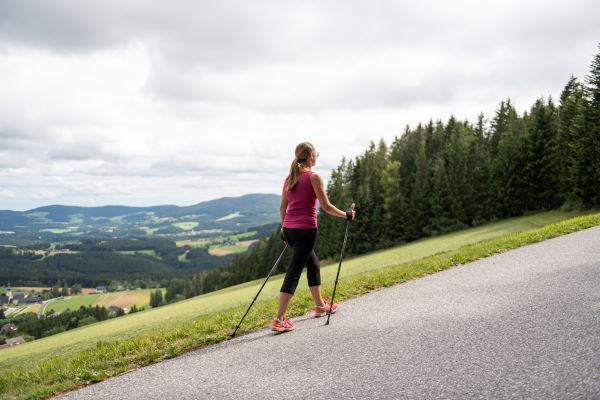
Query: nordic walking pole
[260, 290]
[339, 266]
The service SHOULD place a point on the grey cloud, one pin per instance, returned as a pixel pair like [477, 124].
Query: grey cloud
[221, 33]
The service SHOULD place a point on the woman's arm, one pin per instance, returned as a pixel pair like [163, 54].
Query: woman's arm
[283, 206]
[319, 187]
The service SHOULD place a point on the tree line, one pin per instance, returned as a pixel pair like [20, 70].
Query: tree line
[443, 176]
[33, 326]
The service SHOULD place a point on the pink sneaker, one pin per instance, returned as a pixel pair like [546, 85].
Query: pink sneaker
[324, 309]
[284, 325]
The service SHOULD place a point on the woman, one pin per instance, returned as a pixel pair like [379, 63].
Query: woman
[298, 210]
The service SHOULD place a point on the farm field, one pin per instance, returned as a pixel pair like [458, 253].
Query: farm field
[123, 299]
[34, 308]
[41, 289]
[229, 249]
[72, 302]
[185, 311]
[186, 225]
[193, 242]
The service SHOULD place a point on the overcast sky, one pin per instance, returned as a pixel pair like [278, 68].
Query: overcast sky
[177, 102]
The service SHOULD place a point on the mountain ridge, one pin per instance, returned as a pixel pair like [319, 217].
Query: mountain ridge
[225, 213]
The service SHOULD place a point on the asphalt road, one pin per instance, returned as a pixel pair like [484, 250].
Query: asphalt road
[520, 325]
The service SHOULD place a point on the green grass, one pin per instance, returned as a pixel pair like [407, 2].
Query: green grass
[146, 302]
[72, 303]
[186, 226]
[34, 308]
[193, 242]
[228, 248]
[241, 236]
[89, 354]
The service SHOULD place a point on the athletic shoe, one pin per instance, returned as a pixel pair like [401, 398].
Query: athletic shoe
[324, 309]
[285, 325]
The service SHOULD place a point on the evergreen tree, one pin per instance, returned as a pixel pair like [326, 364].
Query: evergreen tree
[543, 158]
[591, 137]
[394, 202]
[418, 212]
[570, 129]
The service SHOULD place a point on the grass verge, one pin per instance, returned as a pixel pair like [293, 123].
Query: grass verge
[106, 359]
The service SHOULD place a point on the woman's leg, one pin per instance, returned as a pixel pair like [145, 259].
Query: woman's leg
[313, 274]
[315, 291]
[284, 301]
[302, 241]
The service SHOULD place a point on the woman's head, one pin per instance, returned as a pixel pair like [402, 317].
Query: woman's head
[305, 156]
[305, 153]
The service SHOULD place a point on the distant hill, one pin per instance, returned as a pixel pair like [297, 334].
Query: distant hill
[60, 222]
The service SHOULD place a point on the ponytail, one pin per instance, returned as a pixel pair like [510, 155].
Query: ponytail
[293, 176]
[303, 152]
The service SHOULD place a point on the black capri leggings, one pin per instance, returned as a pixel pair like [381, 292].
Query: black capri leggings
[303, 243]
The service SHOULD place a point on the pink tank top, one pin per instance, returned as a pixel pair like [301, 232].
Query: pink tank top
[302, 204]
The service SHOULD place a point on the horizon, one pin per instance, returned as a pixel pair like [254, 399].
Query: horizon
[141, 206]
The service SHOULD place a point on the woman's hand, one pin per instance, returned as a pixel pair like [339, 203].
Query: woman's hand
[351, 213]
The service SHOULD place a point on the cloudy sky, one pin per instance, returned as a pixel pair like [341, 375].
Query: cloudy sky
[176, 102]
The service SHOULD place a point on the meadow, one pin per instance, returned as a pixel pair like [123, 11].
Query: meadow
[123, 299]
[186, 226]
[184, 311]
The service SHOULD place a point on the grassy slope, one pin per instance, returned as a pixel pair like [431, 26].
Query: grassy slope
[168, 316]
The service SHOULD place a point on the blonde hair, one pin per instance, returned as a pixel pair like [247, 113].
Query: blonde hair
[303, 152]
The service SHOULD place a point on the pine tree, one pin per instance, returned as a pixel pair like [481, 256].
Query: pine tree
[418, 210]
[508, 163]
[542, 168]
[570, 128]
[591, 137]
[394, 202]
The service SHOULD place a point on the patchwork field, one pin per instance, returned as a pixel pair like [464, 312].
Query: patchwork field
[171, 315]
[186, 225]
[41, 289]
[239, 247]
[193, 242]
[34, 308]
[72, 302]
[124, 299]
